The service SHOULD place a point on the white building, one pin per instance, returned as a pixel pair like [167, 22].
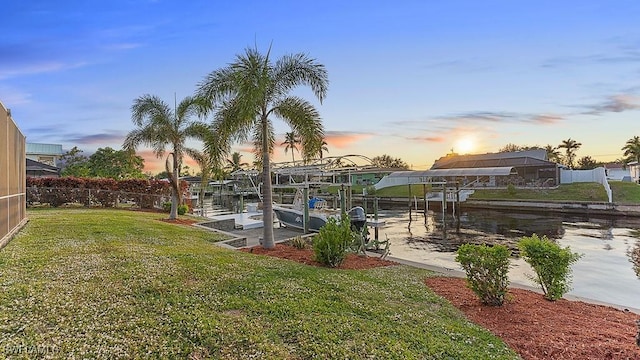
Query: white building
[634, 171]
[616, 171]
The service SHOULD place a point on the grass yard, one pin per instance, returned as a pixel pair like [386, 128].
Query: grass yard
[625, 192]
[80, 283]
[566, 192]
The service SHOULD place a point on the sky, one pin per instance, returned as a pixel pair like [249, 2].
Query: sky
[409, 79]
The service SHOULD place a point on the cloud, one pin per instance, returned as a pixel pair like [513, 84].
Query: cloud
[343, 139]
[100, 138]
[46, 130]
[504, 117]
[546, 119]
[122, 46]
[13, 97]
[615, 103]
[430, 139]
[625, 56]
[37, 68]
[458, 65]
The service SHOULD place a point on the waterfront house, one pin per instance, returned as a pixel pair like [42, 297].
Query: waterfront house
[48, 154]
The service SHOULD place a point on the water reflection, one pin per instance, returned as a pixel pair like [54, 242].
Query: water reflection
[609, 270]
[479, 227]
[634, 257]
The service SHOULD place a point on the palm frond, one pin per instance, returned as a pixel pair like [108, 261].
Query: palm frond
[295, 70]
[305, 121]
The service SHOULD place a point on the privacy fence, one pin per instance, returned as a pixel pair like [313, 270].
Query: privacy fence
[12, 177]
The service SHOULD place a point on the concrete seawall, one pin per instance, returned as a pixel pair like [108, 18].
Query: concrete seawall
[570, 207]
[562, 207]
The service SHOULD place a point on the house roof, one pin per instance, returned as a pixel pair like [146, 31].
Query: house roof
[44, 149]
[494, 160]
[612, 165]
[487, 171]
[40, 168]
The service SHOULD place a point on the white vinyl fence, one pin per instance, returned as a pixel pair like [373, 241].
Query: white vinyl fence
[596, 175]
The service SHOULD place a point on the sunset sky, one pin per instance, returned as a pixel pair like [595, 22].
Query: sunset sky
[410, 79]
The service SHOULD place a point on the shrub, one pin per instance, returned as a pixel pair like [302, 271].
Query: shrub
[331, 244]
[166, 206]
[486, 268]
[298, 242]
[551, 263]
[511, 190]
[182, 209]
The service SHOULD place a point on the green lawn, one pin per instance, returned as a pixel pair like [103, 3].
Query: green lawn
[121, 284]
[625, 192]
[567, 192]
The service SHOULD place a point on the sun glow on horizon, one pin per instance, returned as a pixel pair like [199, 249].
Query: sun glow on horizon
[465, 145]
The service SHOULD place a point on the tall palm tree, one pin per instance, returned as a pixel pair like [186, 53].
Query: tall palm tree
[161, 127]
[291, 140]
[235, 163]
[570, 147]
[253, 90]
[632, 149]
[552, 153]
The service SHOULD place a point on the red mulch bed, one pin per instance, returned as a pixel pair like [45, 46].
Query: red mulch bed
[305, 256]
[534, 327]
[540, 329]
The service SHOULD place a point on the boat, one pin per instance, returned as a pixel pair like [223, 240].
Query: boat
[292, 215]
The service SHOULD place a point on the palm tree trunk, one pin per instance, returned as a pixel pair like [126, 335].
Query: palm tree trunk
[175, 189]
[267, 197]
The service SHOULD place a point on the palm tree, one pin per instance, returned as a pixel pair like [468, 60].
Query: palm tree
[632, 149]
[235, 163]
[552, 153]
[253, 90]
[159, 126]
[291, 141]
[570, 147]
[317, 151]
[323, 147]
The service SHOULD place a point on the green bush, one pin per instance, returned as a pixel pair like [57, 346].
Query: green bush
[166, 206]
[511, 190]
[298, 242]
[486, 268]
[333, 241]
[182, 209]
[551, 263]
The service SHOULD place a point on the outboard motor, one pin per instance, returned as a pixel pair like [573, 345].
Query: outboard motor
[358, 218]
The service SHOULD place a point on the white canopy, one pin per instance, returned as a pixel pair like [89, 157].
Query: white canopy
[423, 176]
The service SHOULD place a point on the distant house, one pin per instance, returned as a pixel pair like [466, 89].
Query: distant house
[48, 154]
[528, 168]
[38, 169]
[520, 168]
[616, 171]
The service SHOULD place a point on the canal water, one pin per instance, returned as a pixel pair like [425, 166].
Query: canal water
[608, 271]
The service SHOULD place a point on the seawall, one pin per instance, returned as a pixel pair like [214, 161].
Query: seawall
[562, 207]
